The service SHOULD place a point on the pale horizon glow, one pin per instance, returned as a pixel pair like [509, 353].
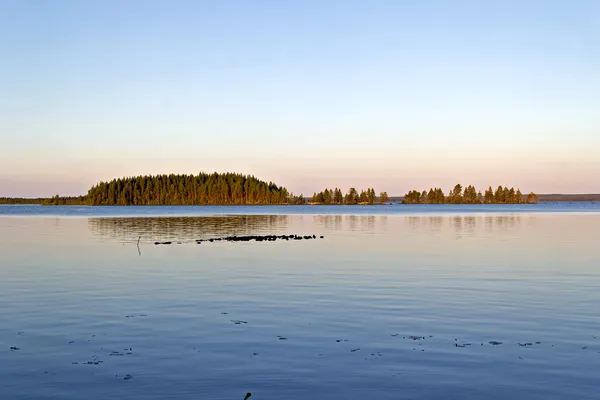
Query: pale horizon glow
[391, 95]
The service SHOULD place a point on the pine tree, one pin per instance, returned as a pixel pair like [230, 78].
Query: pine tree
[383, 197]
[457, 194]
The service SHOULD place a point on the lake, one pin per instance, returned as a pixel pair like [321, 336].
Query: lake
[394, 302]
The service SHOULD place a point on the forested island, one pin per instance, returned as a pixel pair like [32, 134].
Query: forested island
[335, 196]
[239, 189]
[201, 189]
[21, 200]
[469, 195]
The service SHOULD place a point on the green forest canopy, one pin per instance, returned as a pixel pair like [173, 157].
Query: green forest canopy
[335, 196]
[21, 200]
[469, 195]
[204, 189]
[227, 188]
[238, 189]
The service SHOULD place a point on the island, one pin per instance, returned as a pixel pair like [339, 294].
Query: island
[201, 189]
[469, 195]
[239, 189]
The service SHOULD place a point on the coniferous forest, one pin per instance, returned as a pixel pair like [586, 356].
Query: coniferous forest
[19, 200]
[239, 189]
[469, 195]
[215, 189]
[335, 196]
[211, 189]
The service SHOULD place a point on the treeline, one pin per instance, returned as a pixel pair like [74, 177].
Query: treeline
[20, 200]
[65, 201]
[569, 197]
[215, 189]
[335, 196]
[469, 195]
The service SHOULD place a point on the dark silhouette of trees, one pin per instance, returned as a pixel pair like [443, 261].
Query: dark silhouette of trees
[335, 196]
[456, 196]
[363, 198]
[297, 200]
[468, 195]
[239, 189]
[351, 197]
[338, 197]
[64, 201]
[21, 200]
[383, 198]
[371, 196]
[227, 188]
[412, 197]
[488, 198]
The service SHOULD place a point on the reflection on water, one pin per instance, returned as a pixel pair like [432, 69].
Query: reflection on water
[329, 221]
[191, 228]
[465, 223]
[186, 228]
[361, 222]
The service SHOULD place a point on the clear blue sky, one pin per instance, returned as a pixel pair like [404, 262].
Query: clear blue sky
[391, 94]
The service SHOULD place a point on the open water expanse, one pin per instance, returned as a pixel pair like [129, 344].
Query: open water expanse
[394, 302]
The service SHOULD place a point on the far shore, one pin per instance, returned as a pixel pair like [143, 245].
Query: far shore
[543, 199]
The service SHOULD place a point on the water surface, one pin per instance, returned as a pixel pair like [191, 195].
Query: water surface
[389, 209]
[384, 307]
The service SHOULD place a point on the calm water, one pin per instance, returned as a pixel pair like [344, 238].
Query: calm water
[393, 209]
[328, 318]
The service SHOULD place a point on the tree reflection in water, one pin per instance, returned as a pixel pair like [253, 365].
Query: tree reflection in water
[186, 228]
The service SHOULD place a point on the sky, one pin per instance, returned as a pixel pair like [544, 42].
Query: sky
[395, 95]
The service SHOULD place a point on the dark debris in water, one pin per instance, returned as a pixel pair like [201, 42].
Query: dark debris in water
[13, 348]
[282, 338]
[238, 321]
[93, 361]
[462, 344]
[248, 238]
[494, 343]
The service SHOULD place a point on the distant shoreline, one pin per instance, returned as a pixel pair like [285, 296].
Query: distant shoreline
[25, 202]
[233, 189]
